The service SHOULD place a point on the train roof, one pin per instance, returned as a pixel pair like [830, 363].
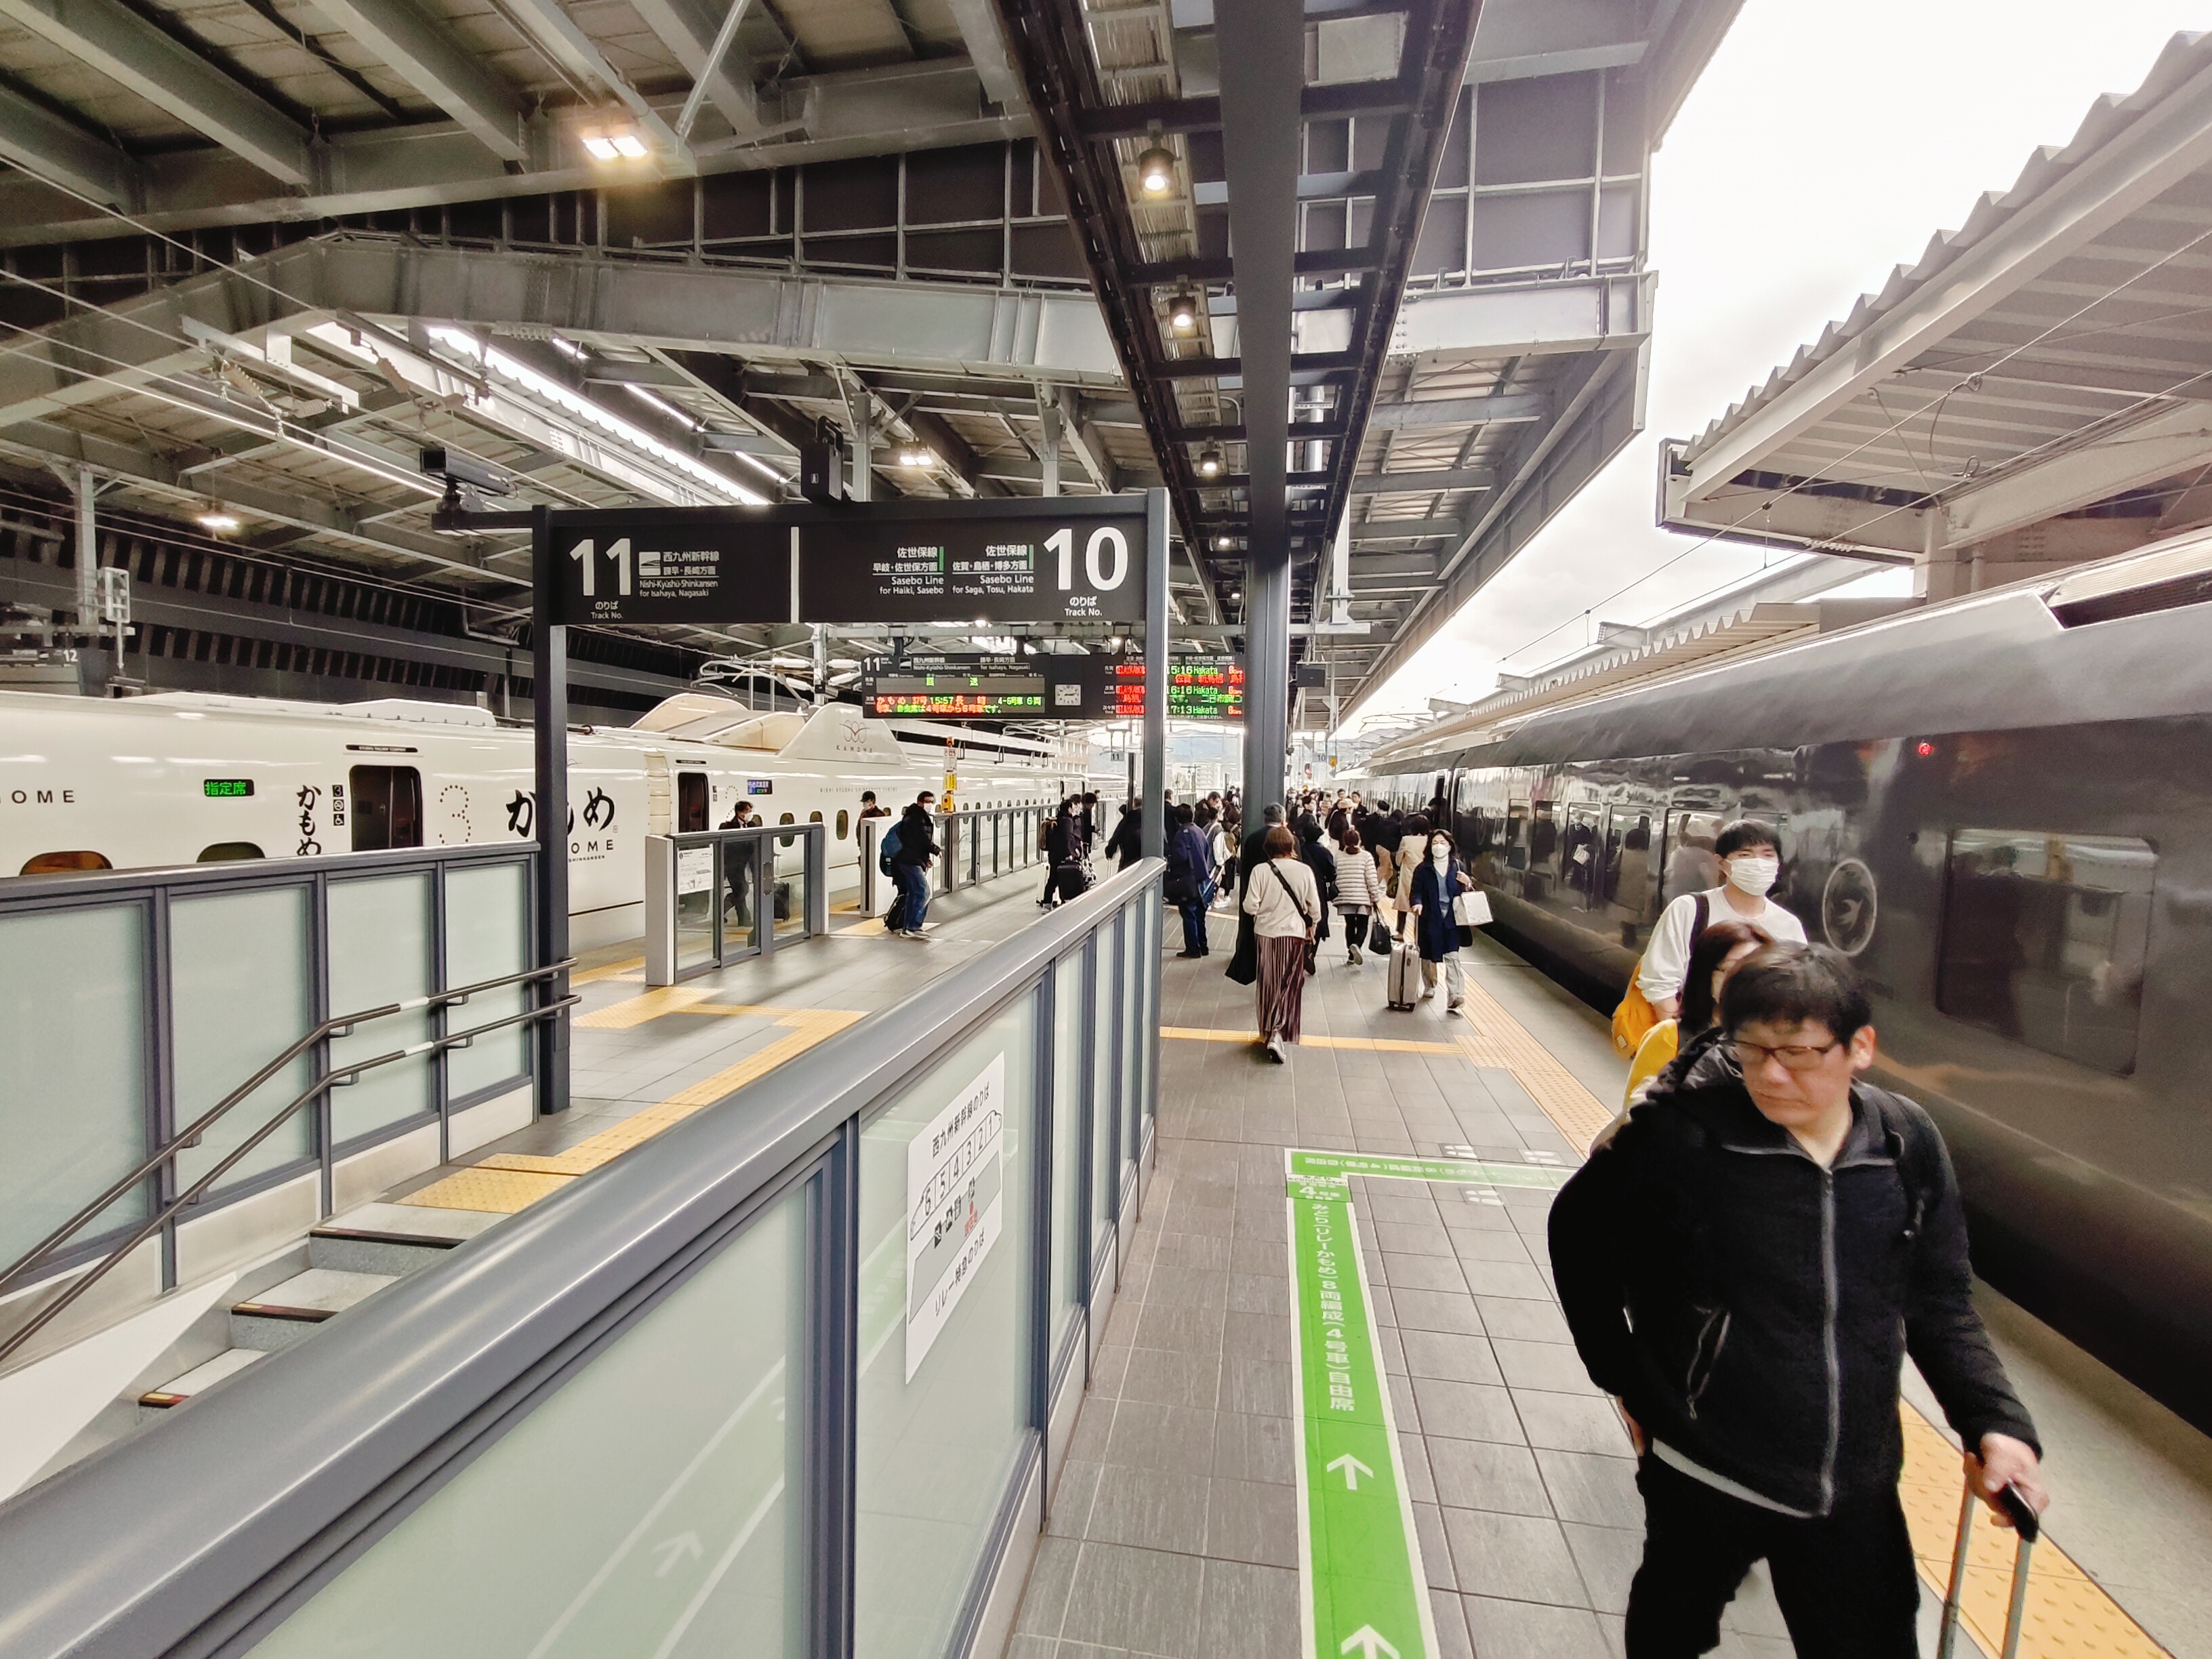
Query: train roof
[2121, 639]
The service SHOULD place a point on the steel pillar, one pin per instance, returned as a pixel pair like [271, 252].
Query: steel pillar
[549, 689]
[1266, 677]
[1152, 830]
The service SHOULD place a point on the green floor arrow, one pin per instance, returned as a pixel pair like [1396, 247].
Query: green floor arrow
[1467, 1172]
[1359, 1558]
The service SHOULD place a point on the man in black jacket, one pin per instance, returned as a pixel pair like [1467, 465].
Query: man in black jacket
[1127, 844]
[1744, 1262]
[917, 850]
[1254, 853]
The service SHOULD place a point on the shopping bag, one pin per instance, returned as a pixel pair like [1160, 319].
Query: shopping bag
[1470, 910]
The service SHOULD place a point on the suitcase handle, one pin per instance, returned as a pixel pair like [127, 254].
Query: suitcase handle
[2029, 1527]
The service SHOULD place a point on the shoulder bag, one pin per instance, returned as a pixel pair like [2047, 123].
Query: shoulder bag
[1312, 945]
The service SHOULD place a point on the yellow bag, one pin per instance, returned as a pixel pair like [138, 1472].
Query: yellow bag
[1632, 1021]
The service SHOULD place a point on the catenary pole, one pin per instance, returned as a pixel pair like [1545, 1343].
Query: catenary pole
[548, 687]
[1152, 827]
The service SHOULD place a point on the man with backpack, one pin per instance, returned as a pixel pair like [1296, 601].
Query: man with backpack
[1750, 859]
[1744, 1262]
[907, 851]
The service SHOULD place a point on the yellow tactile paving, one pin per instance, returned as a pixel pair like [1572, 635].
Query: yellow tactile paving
[2069, 1615]
[651, 1005]
[507, 1181]
[501, 1191]
[606, 970]
[1576, 1112]
[873, 927]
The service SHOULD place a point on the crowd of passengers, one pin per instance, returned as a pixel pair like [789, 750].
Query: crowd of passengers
[1754, 1246]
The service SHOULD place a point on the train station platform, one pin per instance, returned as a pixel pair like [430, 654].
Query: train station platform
[1177, 1527]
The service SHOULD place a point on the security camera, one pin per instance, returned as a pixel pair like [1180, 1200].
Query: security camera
[466, 473]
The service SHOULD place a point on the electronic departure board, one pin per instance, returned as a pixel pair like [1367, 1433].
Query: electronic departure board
[945, 686]
[1060, 686]
[1199, 689]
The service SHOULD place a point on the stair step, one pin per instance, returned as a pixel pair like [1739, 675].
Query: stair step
[287, 1313]
[392, 1238]
[198, 1380]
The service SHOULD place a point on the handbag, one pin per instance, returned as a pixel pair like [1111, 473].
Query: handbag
[1470, 910]
[1244, 961]
[1379, 936]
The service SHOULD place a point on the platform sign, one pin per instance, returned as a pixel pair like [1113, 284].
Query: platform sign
[1040, 570]
[955, 1205]
[952, 685]
[724, 573]
[1112, 687]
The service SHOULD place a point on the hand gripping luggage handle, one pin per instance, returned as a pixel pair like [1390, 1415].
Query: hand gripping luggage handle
[2029, 1527]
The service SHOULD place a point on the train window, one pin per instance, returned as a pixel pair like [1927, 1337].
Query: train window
[1633, 843]
[814, 817]
[2045, 938]
[62, 864]
[692, 809]
[786, 841]
[387, 807]
[1585, 863]
[1516, 834]
[844, 823]
[1692, 866]
[229, 852]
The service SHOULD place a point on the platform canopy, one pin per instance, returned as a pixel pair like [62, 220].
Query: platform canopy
[2032, 392]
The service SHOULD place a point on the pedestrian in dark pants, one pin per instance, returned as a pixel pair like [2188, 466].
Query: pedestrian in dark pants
[1744, 1260]
[917, 850]
[1189, 884]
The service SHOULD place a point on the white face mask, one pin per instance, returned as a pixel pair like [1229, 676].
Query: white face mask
[1440, 854]
[1753, 875]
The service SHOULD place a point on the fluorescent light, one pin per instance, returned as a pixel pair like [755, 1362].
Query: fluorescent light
[601, 148]
[629, 145]
[220, 523]
[653, 400]
[568, 349]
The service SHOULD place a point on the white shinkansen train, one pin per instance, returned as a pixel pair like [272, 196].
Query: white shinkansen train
[182, 777]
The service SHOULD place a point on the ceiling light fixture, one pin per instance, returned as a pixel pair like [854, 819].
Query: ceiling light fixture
[218, 522]
[1156, 171]
[568, 349]
[915, 455]
[613, 141]
[1183, 314]
[683, 417]
[1209, 463]
[1225, 543]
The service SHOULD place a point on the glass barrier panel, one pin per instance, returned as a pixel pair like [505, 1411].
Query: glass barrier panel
[1104, 969]
[1148, 1008]
[1134, 964]
[1067, 1026]
[73, 1088]
[945, 1225]
[240, 992]
[651, 1506]
[381, 951]
[696, 883]
[487, 937]
[791, 888]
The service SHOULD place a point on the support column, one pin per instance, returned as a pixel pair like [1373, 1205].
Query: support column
[549, 688]
[1266, 677]
[88, 556]
[1152, 830]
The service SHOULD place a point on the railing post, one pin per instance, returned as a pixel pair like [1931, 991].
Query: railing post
[660, 910]
[818, 880]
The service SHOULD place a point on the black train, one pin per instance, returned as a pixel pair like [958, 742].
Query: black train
[2002, 808]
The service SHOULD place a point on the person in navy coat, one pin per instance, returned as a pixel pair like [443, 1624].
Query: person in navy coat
[1437, 881]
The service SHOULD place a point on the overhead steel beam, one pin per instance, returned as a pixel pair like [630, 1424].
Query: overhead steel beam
[931, 105]
[986, 49]
[566, 42]
[111, 38]
[439, 67]
[1406, 530]
[1500, 408]
[689, 29]
[43, 442]
[1325, 102]
[1425, 484]
[40, 142]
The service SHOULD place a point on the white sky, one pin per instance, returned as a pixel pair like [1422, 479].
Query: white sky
[1822, 146]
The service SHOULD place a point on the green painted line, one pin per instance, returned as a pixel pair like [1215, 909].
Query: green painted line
[1468, 1172]
[1363, 1591]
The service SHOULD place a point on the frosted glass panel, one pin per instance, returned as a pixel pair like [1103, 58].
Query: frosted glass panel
[1067, 1253]
[73, 1083]
[943, 1362]
[241, 990]
[381, 950]
[1134, 953]
[487, 937]
[651, 1508]
[1103, 981]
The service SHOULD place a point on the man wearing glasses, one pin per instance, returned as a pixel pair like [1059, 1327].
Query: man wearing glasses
[1745, 1261]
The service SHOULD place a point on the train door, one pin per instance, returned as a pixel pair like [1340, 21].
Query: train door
[1635, 839]
[1583, 861]
[692, 810]
[387, 807]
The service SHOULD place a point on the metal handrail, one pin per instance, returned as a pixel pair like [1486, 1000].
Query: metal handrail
[193, 1133]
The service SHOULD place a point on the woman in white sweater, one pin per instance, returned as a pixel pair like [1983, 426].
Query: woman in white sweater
[1358, 892]
[1285, 906]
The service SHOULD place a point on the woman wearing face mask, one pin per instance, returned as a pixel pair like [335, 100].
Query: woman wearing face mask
[1437, 880]
[1718, 950]
[1750, 860]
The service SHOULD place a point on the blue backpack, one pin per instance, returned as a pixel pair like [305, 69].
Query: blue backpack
[887, 849]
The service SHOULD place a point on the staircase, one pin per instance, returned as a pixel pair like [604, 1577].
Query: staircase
[350, 1258]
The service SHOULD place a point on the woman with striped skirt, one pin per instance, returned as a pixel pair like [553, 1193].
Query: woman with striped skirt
[1285, 906]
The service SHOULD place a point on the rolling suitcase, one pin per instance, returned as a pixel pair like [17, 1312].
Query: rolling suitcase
[2027, 1527]
[1404, 976]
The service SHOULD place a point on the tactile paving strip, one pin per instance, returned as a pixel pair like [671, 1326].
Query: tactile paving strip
[1577, 1114]
[507, 1181]
[1365, 1045]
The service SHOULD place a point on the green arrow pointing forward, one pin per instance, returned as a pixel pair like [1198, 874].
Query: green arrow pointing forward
[1359, 1558]
[1468, 1172]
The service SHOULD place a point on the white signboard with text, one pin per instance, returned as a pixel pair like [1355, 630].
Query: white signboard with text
[955, 1192]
